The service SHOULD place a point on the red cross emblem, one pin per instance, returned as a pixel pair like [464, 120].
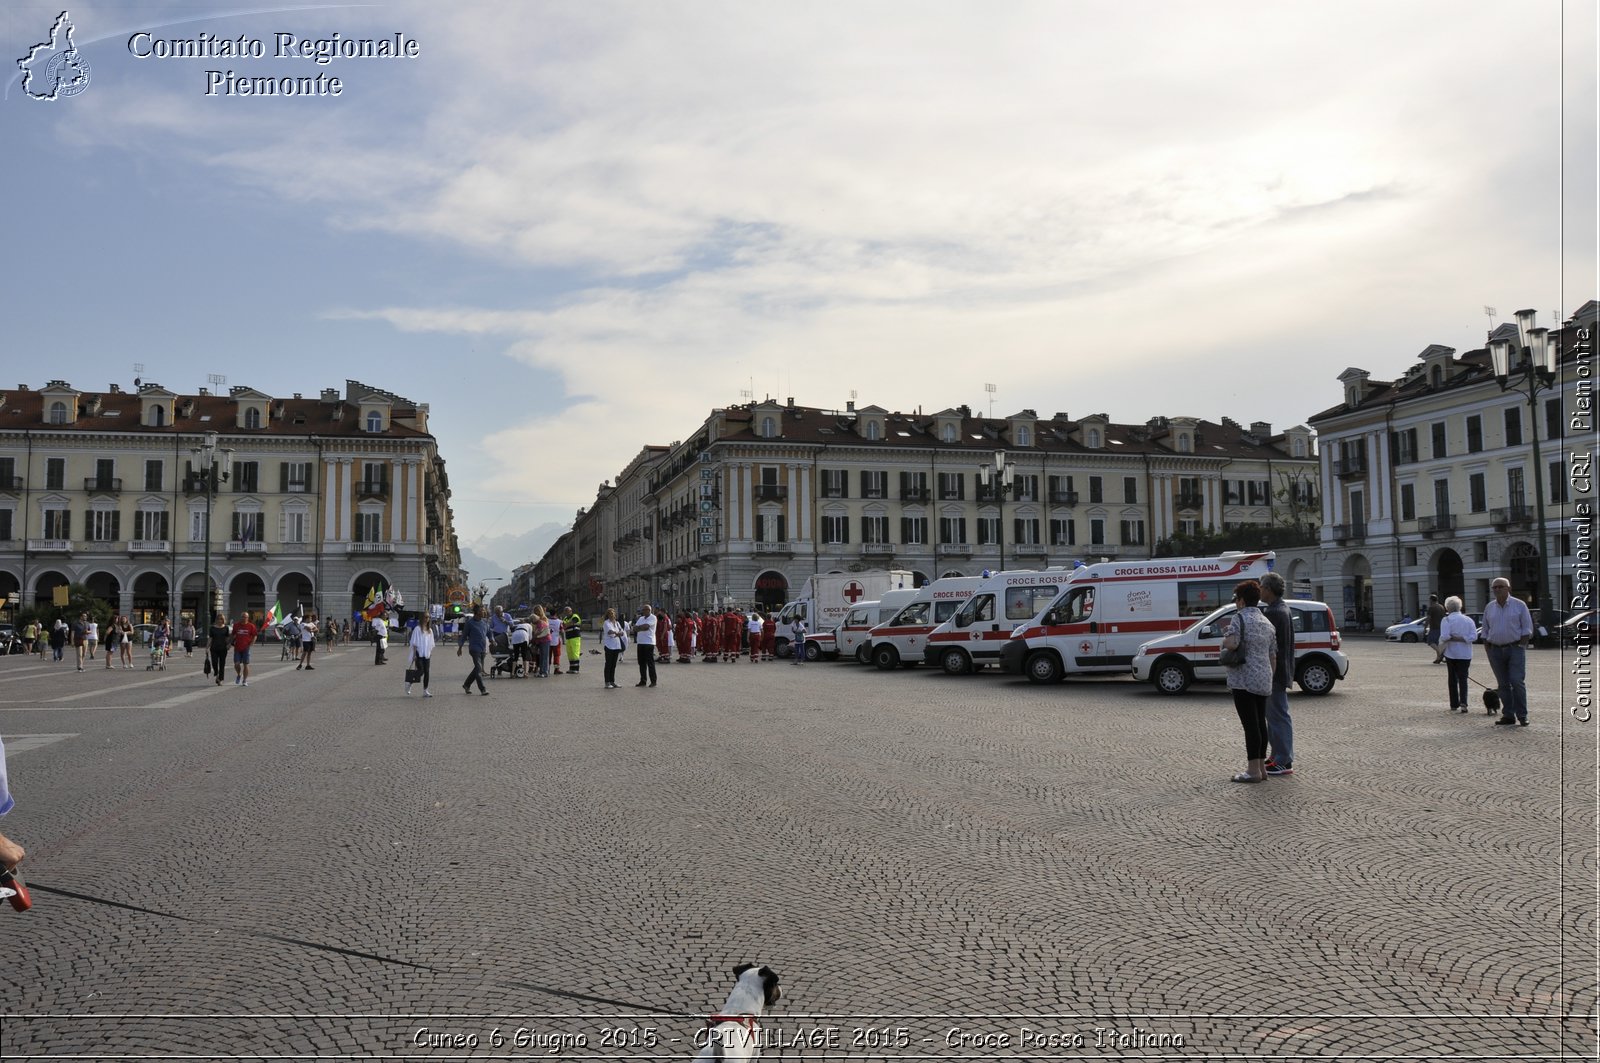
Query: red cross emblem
[854, 592]
[1085, 646]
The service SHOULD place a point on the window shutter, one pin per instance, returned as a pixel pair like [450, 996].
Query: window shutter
[782, 528]
[844, 529]
[283, 477]
[116, 525]
[1016, 530]
[66, 523]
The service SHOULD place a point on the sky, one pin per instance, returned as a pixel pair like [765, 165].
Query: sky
[573, 228]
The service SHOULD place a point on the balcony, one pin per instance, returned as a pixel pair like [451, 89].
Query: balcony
[371, 548]
[103, 485]
[1189, 500]
[1030, 550]
[773, 549]
[984, 496]
[1349, 533]
[149, 546]
[955, 549]
[877, 549]
[1350, 467]
[250, 546]
[771, 493]
[1510, 515]
[1431, 526]
[1064, 498]
[372, 488]
[50, 546]
[913, 494]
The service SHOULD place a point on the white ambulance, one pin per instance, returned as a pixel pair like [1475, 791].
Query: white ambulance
[853, 637]
[1108, 610]
[898, 642]
[975, 635]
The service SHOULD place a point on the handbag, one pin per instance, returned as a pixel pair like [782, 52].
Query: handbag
[1235, 657]
[413, 675]
[208, 664]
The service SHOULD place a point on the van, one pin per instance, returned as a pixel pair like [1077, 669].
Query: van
[1173, 662]
[974, 636]
[898, 642]
[853, 637]
[1108, 610]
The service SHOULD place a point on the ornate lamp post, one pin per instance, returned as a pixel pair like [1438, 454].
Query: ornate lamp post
[210, 476]
[1001, 480]
[1536, 369]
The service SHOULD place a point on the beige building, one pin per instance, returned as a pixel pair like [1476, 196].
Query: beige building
[763, 495]
[323, 499]
[1432, 485]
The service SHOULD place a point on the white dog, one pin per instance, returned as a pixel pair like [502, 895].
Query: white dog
[733, 1033]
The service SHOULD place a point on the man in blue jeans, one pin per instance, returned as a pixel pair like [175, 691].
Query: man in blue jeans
[1280, 729]
[475, 638]
[1507, 628]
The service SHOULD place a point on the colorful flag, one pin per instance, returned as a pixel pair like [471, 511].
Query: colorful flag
[274, 615]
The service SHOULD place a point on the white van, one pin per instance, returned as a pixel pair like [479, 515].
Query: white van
[853, 637]
[898, 642]
[1108, 610]
[975, 635]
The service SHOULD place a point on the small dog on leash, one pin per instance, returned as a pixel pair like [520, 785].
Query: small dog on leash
[733, 1033]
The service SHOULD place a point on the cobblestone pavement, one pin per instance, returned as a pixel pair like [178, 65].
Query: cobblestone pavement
[978, 868]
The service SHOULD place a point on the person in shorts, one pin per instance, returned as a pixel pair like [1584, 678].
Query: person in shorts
[244, 634]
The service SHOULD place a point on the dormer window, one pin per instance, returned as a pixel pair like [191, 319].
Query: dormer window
[873, 431]
[374, 421]
[1435, 377]
[158, 416]
[58, 413]
[1024, 437]
[949, 433]
[1299, 447]
[769, 428]
[1185, 443]
[252, 417]
[1092, 439]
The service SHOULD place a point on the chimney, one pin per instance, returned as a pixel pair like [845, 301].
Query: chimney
[791, 402]
[1261, 428]
[850, 406]
[116, 389]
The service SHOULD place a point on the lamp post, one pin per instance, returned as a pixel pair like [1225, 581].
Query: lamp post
[1537, 370]
[209, 476]
[1001, 478]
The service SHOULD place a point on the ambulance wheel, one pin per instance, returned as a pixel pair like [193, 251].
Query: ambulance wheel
[1043, 667]
[887, 658]
[782, 648]
[956, 662]
[813, 652]
[1171, 675]
[1316, 676]
[864, 653]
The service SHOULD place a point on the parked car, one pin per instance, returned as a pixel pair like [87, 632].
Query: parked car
[1416, 630]
[1174, 662]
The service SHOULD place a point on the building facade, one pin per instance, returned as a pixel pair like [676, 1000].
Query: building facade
[324, 499]
[763, 495]
[1432, 486]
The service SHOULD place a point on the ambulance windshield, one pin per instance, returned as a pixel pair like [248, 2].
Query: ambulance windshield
[977, 609]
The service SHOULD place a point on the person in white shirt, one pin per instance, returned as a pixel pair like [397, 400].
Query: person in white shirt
[615, 640]
[644, 645]
[421, 653]
[521, 633]
[1457, 632]
[380, 640]
[1508, 628]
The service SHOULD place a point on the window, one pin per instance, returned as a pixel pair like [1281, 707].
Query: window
[1132, 532]
[294, 526]
[952, 485]
[835, 483]
[1189, 526]
[1441, 498]
[1257, 492]
[873, 431]
[153, 476]
[55, 474]
[1516, 492]
[1558, 484]
[8, 473]
[1474, 434]
[1092, 439]
[150, 525]
[875, 529]
[1024, 437]
[294, 477]
[252, 417]
[1185, 444]
[949, 433]
[105, 473]
[58, 413]
[836, 529]
[1190, 496]
[874, 483]
[1063, 531]
[1477, 493]
[158, 415]
[914, 531]
[1130, 489]
[1096, 491]
[1408, 502]
[5, 525]
[988, 531]
[247, 527]
[914, 486]
[58, 524]
[1403, 446]
[246, 476]
[1097, 532]
[769, 428]
[1439, 449]
[374, 474]
[1299, 447]
[1026, 531]
[953, 531]
[1025, 488]
[374, 420]
[197, 526]
[1061, 489]
[105, 525]
[369, 527]
[1513, 427]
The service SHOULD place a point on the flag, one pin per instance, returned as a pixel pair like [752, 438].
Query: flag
[372, 595]
[375, 604]
[274, 615]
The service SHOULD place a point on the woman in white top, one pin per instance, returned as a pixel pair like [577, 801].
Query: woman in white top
[557, 637]
[421, 652]
[1457, 633]
[615, 640]
[1251, 681]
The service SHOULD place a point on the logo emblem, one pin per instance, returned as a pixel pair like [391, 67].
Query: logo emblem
[854, 591]
[54, 69]
[1085, 646]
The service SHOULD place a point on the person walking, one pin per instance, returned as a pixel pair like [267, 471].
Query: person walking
[80, 637]
[30, 636]
[1507, 628]
[244, 636]
[1280, 728]
[644, 646]
[421, 644]
[217, 639]
[1457, 632]
[380, 641]
[1430, 629]
[186, 634]
[614, 640]
[112, 639]
[799, 645]
[308, 641]
[91, 635]
[59, 634]
[1251, 679]
[474, 638]
[125, 639]
[557, 637]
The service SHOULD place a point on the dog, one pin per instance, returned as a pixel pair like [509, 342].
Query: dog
[733, 1033]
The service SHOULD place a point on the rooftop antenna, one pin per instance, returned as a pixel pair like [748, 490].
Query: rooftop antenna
[138, 374]
[217, 382]
[990, 388]
[1489, 310]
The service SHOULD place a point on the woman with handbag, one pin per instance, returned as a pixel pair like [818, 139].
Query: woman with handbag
[613, 638]
[1250, 653]
[421, 652]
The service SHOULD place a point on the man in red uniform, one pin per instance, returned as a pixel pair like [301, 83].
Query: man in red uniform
[710, 638]
[663, 630]
[685, 636]
[769, 636]
[732, 628]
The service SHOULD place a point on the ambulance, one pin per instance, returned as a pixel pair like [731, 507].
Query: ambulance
[1108, 610]
[898, 642]
[853, 637]
[975, 635]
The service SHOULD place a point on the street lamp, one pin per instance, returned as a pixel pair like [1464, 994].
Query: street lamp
[1001, 478]
[1537, 369]
[209, 476]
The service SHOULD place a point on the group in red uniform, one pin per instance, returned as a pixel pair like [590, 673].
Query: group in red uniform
[718, 636]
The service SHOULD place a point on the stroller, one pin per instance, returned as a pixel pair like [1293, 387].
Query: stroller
[158, 655]
[507, 659]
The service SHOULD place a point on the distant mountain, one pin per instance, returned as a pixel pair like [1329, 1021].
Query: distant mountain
[480, 568]
[498, 555]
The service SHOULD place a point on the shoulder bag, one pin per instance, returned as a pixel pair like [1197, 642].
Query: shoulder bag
[1235, 657]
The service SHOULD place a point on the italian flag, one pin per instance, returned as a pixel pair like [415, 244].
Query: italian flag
[274, 615]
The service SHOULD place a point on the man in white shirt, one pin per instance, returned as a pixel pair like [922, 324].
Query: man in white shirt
[644, 645]
[380, 640]
[1507, 628]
